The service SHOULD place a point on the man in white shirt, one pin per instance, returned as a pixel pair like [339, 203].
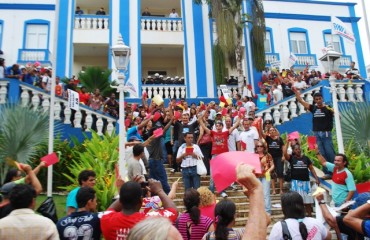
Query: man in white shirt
[300, 85]
[46, 80]
[234, 135]
[249, 138]
[173, 14]
[188, 155]
[276, 93]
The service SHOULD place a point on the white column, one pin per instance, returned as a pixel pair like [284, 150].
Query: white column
[338, 127]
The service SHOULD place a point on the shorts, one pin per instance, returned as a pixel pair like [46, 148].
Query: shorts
[304, 189]
[168, 147]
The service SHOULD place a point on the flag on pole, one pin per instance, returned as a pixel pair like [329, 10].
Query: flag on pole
[339, 28]
[292, 58]
[73, 100]
[129, 87]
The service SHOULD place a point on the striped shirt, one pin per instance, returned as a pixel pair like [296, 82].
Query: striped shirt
[196, 231]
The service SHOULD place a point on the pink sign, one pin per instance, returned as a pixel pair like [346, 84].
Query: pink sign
[293, 135]
[50, 159]
[177, 115]
[223, 167]
[242, 110]
[156, 116]
[158, 132]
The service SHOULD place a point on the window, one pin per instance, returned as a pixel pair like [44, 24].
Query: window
[336, 41]
[36, 36]
[268, 48]
[298, 42]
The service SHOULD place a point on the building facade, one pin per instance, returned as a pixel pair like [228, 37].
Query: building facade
[169, 44]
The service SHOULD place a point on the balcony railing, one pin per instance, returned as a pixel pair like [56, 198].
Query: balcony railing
[304, 59]
[161, 24]
[31, 55]
[92, 22]
[271, 57]
[166, 91]
[345, 61]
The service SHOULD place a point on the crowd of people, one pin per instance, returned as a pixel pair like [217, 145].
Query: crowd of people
[190, 134]
[160, 79]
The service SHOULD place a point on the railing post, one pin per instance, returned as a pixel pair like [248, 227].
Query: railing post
[359, 92]
[13, 91]
[67, 115]
[276, 114]
[341, 92]
[350, 93]
[3, 92]
[88, 122]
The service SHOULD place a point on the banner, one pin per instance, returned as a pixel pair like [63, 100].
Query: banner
[73, 100]
[340, 29]
[276, 64]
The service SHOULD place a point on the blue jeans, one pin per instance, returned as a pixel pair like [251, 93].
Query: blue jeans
[266, 194]
[326, 148]
[164, 150]
[190, 177]
[158, 172]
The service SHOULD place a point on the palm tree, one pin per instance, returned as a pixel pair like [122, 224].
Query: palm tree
[22, 131]
[230, 23]
[96, 77]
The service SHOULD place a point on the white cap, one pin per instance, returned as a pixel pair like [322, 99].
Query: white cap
[157, 74]
[149, 76]
[22, 67]
[161, 76]
[177, 77]
[172, 79]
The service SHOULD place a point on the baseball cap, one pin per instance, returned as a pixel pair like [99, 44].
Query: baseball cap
[7, 188]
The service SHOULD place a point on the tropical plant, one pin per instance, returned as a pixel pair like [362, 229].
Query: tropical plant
[230, 23]
[100, 154]
[355, 121]
[96, 77]
[22, 130]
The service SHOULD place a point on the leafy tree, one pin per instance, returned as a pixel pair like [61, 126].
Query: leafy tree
[96, 77]
[230, 23]
[22, 131]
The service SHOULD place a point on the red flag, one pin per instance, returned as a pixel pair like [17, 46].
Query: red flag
[50, 159]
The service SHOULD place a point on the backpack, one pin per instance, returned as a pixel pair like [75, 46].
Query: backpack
[286, 233]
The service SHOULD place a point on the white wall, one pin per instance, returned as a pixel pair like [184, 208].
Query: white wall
[81, 61]
[173, 66]
[13, 29]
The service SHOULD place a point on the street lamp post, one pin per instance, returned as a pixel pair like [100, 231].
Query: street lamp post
[121, 57]
[330, 61]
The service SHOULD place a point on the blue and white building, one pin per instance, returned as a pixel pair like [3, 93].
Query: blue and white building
[170, 46]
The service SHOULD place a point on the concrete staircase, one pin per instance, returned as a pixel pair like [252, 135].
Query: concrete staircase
[237, 196]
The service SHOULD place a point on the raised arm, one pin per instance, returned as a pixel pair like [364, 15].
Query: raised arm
[320, 157]
[236, 124]
[201, 123]
[355, 218]
[156, 188]
[300, 100]
[33, 179]
[285, 151]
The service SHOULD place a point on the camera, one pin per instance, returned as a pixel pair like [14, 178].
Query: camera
[144, 184]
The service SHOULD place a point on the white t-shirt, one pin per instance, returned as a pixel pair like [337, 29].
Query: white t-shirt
[173, 15]
[248, 138]
[316, 230]
[212, 114]
[189, 161]
[46, 79]
[233, 138]
[278, 94]
[300, 85]
[2, 72]
[249, 106]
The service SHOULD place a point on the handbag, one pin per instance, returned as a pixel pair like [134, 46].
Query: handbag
[206, 138]
[48, 209]
[201, 168]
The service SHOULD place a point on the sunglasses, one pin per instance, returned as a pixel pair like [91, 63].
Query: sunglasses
[259, 145]
[268, 123]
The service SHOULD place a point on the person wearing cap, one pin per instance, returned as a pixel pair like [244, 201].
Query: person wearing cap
[46, 80]
[149, 80]
[5, 190]
[157, 80]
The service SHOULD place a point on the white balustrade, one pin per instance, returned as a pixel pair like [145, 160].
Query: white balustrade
[161, 24]
[276, 114]
[99, 126]
[78, 118]
[91, 22]
[35, 100]
[57, 110]
[110, 126]
[25, 97]
[67, 115]
[342, 93]
[293, 108]
[88, 122]
[166, 91]
[359, 92]
[284, 112]
[3, 91]
[45, 103]
[350, 92]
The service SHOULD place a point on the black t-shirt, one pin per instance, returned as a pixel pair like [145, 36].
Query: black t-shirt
[287, 89]
[322, 119]
[79, 226]
[299, 168]
[5, 210]
[275, 146]
[155, 148]
[184, 128]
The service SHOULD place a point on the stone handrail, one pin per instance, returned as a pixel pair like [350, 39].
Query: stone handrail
[91, 22]
[39, 99]
[161, 24]
[350, 91]
[166, 91]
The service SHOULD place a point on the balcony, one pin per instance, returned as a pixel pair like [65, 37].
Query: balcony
[271, 57]
[91, 29]
[345, 61]
[162, 30]
[304, 59]
[32, 55]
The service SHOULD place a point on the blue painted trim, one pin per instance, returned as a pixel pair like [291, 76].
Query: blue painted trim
[110, 38]
[159, 18]
[309, 17]
[328, 31]
[36, 22]
[186, 49]
[199, 51]
[269, 30]
[246, 4]
[14, 91]
[10, 6]
[1, 32]
[213, 44]
[124, 26]
[62, 28]
[315, 2]
[140, 72]
[71, 48]
[299, 30]
[356, 32]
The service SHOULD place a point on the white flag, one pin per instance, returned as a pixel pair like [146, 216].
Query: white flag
[340, 29]
[129, 87]
[73, 100]
[292, 58]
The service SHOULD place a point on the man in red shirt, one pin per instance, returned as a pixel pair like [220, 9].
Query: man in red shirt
[84, 96]
[124, 213]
